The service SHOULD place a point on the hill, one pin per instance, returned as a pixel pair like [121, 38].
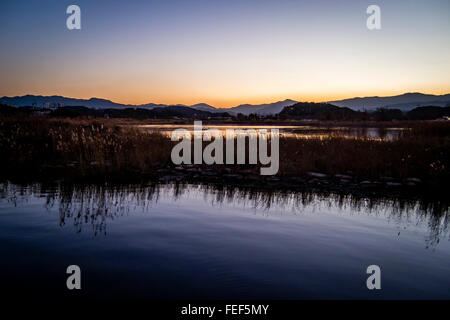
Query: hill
[322, 111]
[404, 102]
[262, 109]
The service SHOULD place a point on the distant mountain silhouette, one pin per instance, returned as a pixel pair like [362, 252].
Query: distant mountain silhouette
[151, 105]
[96, 103]
[404, 102]
[262, 109]
[45, 101]
[203, 107]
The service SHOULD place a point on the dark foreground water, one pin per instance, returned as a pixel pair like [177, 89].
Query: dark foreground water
[188, 242]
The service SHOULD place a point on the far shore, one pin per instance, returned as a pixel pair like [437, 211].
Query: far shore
[276, 123]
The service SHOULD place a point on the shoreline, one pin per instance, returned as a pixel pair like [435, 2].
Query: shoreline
[313, 182]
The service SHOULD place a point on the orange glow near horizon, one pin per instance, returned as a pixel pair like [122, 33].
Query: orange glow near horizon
[229, 103]
[227, 54]
[220, 102]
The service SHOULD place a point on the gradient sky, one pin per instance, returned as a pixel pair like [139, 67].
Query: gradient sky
[224, 52]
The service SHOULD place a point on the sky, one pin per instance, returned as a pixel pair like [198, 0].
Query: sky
[225, 52]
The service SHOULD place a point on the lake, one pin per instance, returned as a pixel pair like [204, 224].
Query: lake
[190, 241]
[294, 131]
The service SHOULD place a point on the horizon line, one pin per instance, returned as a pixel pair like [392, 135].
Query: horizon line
[242, 104]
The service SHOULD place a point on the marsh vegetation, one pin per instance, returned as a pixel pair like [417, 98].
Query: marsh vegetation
[42, 147]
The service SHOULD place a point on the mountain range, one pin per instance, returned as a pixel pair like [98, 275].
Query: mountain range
[404, 102]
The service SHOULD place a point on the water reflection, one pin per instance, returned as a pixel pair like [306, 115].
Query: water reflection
[94, 205]
[299, 132]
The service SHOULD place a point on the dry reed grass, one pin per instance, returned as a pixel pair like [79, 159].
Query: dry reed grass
[91, 148]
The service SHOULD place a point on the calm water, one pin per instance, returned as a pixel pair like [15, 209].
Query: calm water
[191, 241]
[294, 131]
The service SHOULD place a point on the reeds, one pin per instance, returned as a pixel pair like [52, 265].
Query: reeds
[424, 157]
[84, 148]
[93, 148]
